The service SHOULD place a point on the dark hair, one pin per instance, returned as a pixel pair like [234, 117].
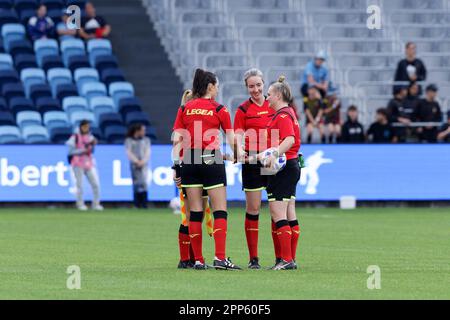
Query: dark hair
[83, 123]
[382, 111]
[201, 81]
[133, 129]
[431, 87]
[408, 44]
[352, 108]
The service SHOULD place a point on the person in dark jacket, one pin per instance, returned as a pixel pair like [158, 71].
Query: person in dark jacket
[352, 130]
[396, 111]
[381, 131]
[428, 110]
[40, 26]
[411, 69]
[444, 131]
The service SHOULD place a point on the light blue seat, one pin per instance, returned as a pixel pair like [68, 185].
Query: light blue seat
[6, 62]
[119, 90]
[12, 32]
[30, 77]
[56, 119]
[78, 116]
[93, 89]
[101, 105]
[85, 75]
[75, 104]
[71, 47]
[9, 134]
[35, 134]
[98, 47]
[44, 48]
[28, 118]
[57, 76]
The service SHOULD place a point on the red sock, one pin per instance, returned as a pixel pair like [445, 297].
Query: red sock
[251, 233]
[276, 242]
[284, 235]
[184, 242]
[295, 228]
[220, 233]
[191, 252]
[195, 233]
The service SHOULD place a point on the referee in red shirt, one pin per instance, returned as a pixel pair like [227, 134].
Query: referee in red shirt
[283, 133]
[197, 130]
[250, 123]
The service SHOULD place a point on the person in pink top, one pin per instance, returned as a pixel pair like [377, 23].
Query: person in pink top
[81, 148]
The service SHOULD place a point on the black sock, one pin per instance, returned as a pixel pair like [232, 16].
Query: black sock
[309, 138]
[323, 139]
[330, 139]
[136, 199]
[143, 199]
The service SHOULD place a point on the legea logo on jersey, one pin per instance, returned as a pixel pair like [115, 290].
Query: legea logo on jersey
[310, 174]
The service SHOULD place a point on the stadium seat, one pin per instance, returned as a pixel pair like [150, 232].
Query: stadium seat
[6, 4]
[12, 32]
[112, 75]
[35, 134]
[8, 16]
[127, 105]
[100, 105]
[51, 62]
[3, 105]
[115, 134]
[11, 90]
[137, 117]
[27, 118]
[6, 61]
[77, 116]
[105, 62]
[60, 135]
[151, 133]
[77, 61]
[109, 119]
[65, 90]
[20, 47]
[20, 5]
[31, 76]
[85, 75]
[8, 76]
[20, 104]
[71, 47]
[119, 90]
[57, 76]
[55, 119]
[10, 134]
[25, 15]
[7, 119]
[54, 4]
[98, 47]
[74, 104]
[25, 61]
[55, 15]
[45, 47]
[93, 89]
[80, 3]
[39, 90]
[46, 104]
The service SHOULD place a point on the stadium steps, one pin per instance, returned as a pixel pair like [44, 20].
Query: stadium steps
[144, 62]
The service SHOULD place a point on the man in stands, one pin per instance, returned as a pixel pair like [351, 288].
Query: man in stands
[381, 131]
[352, 130]
[411, 69]
[444, 131]
[316, 74]
[314, 106]
[92, 25]
[40, 26]
[428, 110]
[396, 111]
[62, 30]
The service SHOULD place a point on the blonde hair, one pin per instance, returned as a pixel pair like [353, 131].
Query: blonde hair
[282, 87]
[187, 96]
[253, 73]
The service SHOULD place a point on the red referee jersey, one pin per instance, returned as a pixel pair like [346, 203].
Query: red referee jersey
[202, 119]
[287, 125]
[253, 119]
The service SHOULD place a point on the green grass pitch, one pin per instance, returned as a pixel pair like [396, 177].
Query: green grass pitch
[127, 254]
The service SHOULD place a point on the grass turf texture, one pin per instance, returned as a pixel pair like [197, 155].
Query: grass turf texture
[126, 254]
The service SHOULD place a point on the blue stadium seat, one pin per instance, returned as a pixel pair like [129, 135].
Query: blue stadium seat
[31, 76]
[127, 105]
[77, 116]
[6, 4]
[76, 62]
[10, 134]
[60, 135]
[55, 119]
[35, 135]
[105, 62]
[40, 90]
[71, 47]
[7, 119]
[11, 90]
[45, 47]
[25, 15]
[55, 15]
[112, 75]
[93, 89]
[98, 47]
[3, 105]
[20, 104]
[74, 104]
[51, 62]
[100, 105]
[80, 3]
[46, 104]
[6, 61]
[2, 48]
[115, 134]
[137, 117]
[12, 32]
[20, 47]
[20, 5]
[109, 119]
[8, 16]
[65, 90]
[54, 4]
[85, 75]
[8, 76]
[28, 118]
[25, 61]
[97, 133]
[119, 90]
[57, 76]
[151, 133]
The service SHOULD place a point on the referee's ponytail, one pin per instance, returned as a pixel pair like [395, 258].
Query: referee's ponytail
[283, 87]
[201, 81]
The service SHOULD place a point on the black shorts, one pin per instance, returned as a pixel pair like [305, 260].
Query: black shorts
[252, 179]
[282, 186]
[205, 171]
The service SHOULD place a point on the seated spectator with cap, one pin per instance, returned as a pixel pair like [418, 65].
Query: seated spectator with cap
[381, 131]
[352, 130]
[412, 100]
[40, 26]
[63, 30]
[428, 110]
[396, 111]
[93, 25]
[444, 131]
[314, 106]
[316, 74]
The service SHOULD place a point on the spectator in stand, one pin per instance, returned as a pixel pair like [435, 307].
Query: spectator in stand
[40, 26]
[428, 110]
[381, 131]
[332, 115]
[62, 30]
[92, 25]
[412, 100]
[411, 69]
[316, 74]
[396, 111]
[314, 106]
[352, 130]
[444, 131]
